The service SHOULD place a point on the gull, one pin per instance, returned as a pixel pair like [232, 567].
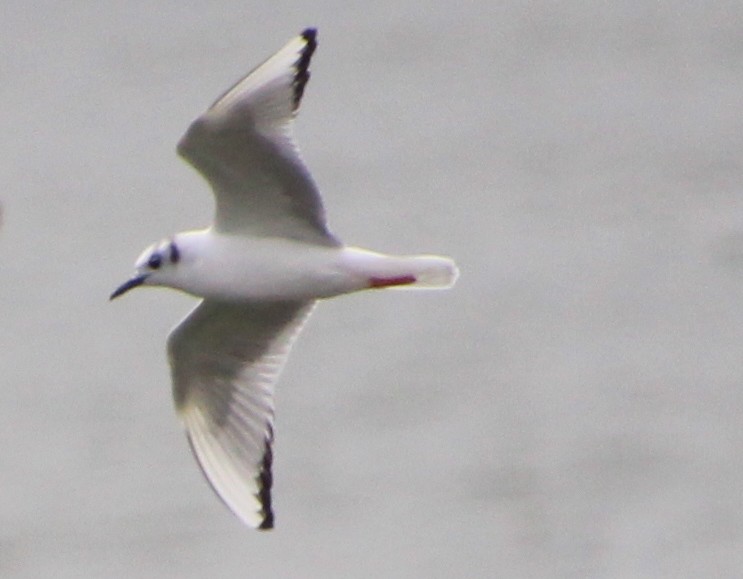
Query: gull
[258, 269]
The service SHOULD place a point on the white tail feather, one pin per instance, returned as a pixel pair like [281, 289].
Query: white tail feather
[377, 270]
[429, 271]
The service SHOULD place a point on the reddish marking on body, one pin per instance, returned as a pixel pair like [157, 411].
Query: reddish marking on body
[380, 282]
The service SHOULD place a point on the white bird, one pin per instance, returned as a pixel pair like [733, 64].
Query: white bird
[259, 270]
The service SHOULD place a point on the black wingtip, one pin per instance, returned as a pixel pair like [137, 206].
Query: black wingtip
[309, 34]
[303, 74]
[265, 482]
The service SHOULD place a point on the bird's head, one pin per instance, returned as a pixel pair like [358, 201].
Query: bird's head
[156, 265]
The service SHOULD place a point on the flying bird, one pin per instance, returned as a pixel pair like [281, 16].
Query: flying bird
[258, 269]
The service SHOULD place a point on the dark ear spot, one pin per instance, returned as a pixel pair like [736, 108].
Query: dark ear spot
[175, 254]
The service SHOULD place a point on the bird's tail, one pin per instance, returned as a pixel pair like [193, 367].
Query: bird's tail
[415, 272]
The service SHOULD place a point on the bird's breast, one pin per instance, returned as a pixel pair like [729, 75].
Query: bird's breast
[266, 270]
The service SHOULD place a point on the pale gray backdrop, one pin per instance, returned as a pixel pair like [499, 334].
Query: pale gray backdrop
[571, 409]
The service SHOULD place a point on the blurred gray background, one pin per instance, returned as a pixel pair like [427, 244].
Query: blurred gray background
[571, 409]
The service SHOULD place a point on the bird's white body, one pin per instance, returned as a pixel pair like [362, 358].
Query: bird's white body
[259, 269]
[239, 268]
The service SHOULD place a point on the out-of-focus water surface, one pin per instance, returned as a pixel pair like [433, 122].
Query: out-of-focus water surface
[571, 409]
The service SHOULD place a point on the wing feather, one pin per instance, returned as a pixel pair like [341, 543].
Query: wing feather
[244, 147]
[225, 359]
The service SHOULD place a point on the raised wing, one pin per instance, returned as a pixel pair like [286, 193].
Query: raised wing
[225, 359]
[244, 147]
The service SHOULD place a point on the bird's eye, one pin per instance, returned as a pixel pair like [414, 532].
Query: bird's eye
[154, 261]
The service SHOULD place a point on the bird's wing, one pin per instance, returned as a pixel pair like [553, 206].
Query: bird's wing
[244, 147]
[225, 359]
